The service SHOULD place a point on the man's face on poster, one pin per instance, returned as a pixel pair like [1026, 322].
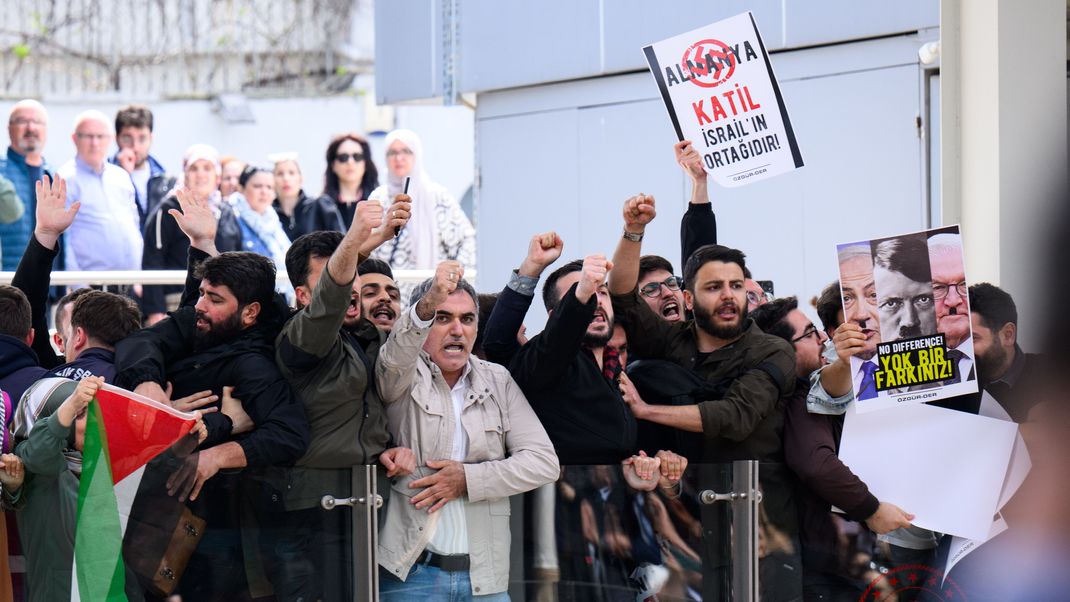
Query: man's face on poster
[952, 307]
[860, 300]
[905, 306]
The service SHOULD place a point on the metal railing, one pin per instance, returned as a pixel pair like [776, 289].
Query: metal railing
[108, 277]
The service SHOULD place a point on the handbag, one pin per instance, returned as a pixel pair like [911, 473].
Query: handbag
[161, 571]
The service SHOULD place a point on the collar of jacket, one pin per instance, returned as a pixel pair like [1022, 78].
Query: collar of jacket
[748, 333]
[15, 355]
[478, 387]
[20, 159]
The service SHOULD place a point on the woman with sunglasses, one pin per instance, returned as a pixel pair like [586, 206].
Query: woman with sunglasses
[350, 175]
[299, 213]
[438, 229]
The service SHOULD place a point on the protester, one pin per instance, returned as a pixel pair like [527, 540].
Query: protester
[661, 289]
[107, 233]
[380, 297]
[133, 132]
[18, 362]
[439, 229]
[351, 174]
[446, 533]
[299, 213]
[327, 352]
[1010, 375]
[167, 247]
[27, 127]
[225, 340]
[811, 444]
[261, 230]
[230, 169]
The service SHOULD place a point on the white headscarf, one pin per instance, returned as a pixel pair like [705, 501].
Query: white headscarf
[423, 233]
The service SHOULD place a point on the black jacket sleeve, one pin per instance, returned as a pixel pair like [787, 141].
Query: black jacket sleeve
[143, 356]
[499, 334]
[32, 278]
[698, 227]
[545, 360]
[163, 250]
[192, 290]
[282, 434]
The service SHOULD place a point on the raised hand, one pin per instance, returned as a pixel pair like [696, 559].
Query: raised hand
[76, 403]
[543, 250]
[397, 215]
[849, 340]
[52, 214]
[592, 276]
[689, 159]
[367, 217]
[447, 275]
[638, 212]
[196, 220]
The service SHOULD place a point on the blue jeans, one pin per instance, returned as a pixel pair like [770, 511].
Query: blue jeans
[431, 584]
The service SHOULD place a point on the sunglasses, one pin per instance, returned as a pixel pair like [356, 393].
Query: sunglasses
[345, 157]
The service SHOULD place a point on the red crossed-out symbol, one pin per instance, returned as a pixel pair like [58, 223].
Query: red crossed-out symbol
[694, 63]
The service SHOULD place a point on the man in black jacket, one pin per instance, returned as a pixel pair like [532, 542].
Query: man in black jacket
[569, 375]
[225, 340]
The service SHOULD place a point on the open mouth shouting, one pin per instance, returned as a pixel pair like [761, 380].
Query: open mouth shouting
[353, 311]
[727, 312]
[382, 314]
[670, 310]
[454, 346]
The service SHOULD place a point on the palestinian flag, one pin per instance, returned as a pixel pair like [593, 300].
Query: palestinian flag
[123, 432]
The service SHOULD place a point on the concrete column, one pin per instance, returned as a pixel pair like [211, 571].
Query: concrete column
[1003, 135]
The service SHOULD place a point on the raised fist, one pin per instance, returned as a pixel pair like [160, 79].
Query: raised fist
[638, 212]
[592, 276]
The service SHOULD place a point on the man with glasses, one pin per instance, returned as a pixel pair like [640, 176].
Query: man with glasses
[27, 127]
[133, 127]
[107, 233]
[660, 289]
[951, 299]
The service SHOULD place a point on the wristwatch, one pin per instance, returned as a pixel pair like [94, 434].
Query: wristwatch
[632, 236]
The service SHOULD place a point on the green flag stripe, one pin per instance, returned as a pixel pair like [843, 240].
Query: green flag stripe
[98, 541]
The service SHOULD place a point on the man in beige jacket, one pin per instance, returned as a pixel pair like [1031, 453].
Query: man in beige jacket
[476, 440]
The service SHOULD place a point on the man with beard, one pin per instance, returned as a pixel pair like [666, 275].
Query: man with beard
[904, 287]
[379, 294]
[224, 340]
[327, 352]
[1010, 375]
[952, 302]
[24, 165]
[751, 369]
[568, 373]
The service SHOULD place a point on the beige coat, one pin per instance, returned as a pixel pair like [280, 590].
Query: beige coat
[508, 453]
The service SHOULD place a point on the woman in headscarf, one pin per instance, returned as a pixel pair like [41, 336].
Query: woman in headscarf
[261, 230]
[438, 229]
[350, 175]
[299, 213]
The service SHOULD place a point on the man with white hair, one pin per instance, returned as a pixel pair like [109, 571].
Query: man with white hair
[106, 235]
[951, 300]
[27, 127]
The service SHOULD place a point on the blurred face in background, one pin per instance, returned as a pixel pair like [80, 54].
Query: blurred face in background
[201, 177]
[228, 183]
[348, 163]
[93, 139]
[137, 139]
[399, 158]
[28, 129]
[288, 179]
[260, 191]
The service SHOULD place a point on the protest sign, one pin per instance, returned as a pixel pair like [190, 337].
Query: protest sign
[908, 293]
[718, 86]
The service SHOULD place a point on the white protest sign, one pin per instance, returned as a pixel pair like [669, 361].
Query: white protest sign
[946, 467]
[718, 86]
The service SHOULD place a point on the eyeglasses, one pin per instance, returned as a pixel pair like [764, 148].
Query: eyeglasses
[345, 157]
[404, 152]
[811, 331]
[93, 137]
[673, 283]
[755, 297]
[21, 121]
[940, 290]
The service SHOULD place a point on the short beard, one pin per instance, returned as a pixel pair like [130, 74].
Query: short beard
[988, 364]
[217, 334]
[594, 341]
[704, 320]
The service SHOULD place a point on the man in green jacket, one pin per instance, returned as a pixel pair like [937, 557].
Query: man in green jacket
[327, 352]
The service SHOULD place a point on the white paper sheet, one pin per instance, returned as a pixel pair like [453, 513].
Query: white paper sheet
[946, 467]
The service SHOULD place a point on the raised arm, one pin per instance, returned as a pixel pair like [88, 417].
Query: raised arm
[698, 226]
[638, 212]
[35, 268]
[395, 369]
[500, 332]
[395, 218]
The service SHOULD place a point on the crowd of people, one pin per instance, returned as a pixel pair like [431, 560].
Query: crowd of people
[644, 382]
